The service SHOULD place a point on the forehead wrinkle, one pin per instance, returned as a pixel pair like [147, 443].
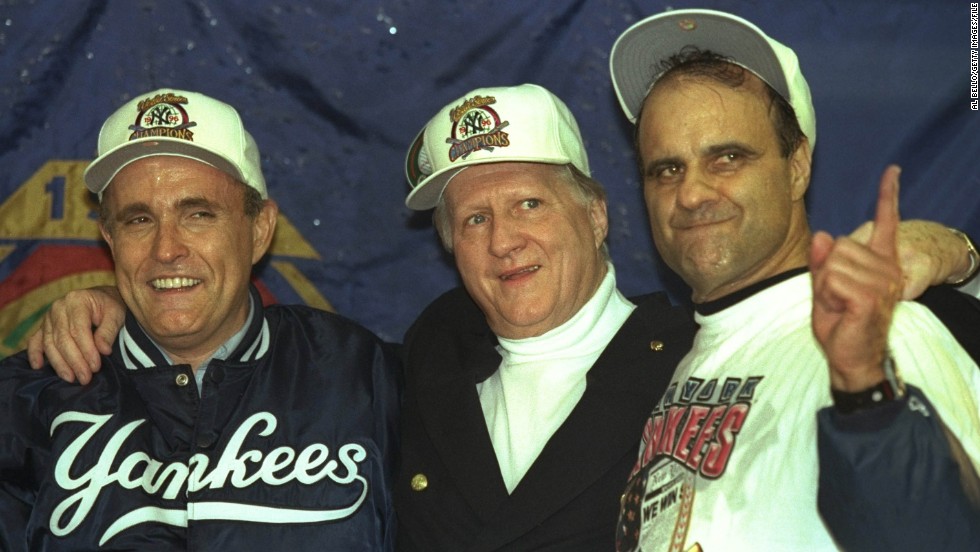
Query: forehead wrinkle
[184, 203]
[750, 94]
[507, 186]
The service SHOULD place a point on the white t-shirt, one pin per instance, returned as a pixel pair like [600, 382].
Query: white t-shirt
[736, 468]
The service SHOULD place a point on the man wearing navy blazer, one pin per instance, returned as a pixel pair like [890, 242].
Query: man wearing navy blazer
[526, 387]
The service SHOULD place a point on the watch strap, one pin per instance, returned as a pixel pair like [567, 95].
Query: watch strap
[971, 251]
[887, 390]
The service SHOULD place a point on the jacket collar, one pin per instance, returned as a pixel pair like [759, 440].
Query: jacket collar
[137, 350]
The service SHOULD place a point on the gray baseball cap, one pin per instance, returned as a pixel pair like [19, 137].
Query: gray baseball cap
[639, 50]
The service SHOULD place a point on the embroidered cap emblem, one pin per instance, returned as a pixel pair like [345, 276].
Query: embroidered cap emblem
[476, 126]
[163, 115]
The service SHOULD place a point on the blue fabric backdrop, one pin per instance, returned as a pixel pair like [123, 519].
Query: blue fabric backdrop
[334, 92]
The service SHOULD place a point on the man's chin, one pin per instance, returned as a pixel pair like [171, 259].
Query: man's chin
[170, 326]
[705, 278]
[526, 323]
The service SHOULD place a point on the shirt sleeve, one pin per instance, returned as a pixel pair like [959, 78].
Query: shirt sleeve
[888, 480]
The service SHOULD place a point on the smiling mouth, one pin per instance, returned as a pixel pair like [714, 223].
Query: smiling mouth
[174, 283]
[702, 219]
[521, 272]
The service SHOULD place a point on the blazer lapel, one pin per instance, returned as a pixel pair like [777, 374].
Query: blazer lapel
[622, 387]
[451, 413]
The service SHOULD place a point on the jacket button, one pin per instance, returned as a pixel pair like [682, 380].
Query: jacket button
[181, 380]
[206, 439]
[656, 345]
[419, 482]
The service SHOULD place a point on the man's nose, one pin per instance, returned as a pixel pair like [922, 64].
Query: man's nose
[696, 190]
[506, 236]
[168, 243]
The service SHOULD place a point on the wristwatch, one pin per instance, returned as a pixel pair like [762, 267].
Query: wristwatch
[886, 391]
[971, 250]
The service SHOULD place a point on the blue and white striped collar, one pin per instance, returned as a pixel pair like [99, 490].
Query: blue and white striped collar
[139, 351]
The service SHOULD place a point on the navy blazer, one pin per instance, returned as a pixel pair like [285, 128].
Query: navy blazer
[449, 493]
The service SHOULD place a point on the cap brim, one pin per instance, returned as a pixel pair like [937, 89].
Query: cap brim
[640, 49]
[427, 194]
[101, 171]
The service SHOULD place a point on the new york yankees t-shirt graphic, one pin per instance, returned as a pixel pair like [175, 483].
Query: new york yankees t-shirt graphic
[692, 433]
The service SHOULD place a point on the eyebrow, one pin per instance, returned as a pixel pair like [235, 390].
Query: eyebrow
[711, 151]
[131, 209]
[653, 167]
[195, 202]
[183, 204]
[741, 147]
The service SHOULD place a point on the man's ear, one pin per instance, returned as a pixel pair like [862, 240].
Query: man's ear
[107, 236]
[264, 228]
[800, 163]
[600, 220]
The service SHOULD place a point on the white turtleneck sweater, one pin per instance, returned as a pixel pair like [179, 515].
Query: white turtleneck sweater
[541, 379]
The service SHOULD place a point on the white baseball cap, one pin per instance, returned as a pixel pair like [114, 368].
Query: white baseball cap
[639, 50]
[524, 123]
[178, 123]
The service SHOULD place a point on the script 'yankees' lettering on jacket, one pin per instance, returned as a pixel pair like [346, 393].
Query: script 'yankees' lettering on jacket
[237, 467]
[286, 444]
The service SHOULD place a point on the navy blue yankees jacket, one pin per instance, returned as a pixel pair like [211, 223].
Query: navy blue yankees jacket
[288, 447]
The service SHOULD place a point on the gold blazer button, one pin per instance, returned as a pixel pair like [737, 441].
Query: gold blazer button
[182, 380]
[656, 345]
[419, 482]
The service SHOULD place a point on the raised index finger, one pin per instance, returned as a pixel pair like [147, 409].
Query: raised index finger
[884, 234]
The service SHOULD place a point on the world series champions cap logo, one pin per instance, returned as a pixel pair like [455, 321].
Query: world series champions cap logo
[162, 115]
[536, 127]
[476, 126]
